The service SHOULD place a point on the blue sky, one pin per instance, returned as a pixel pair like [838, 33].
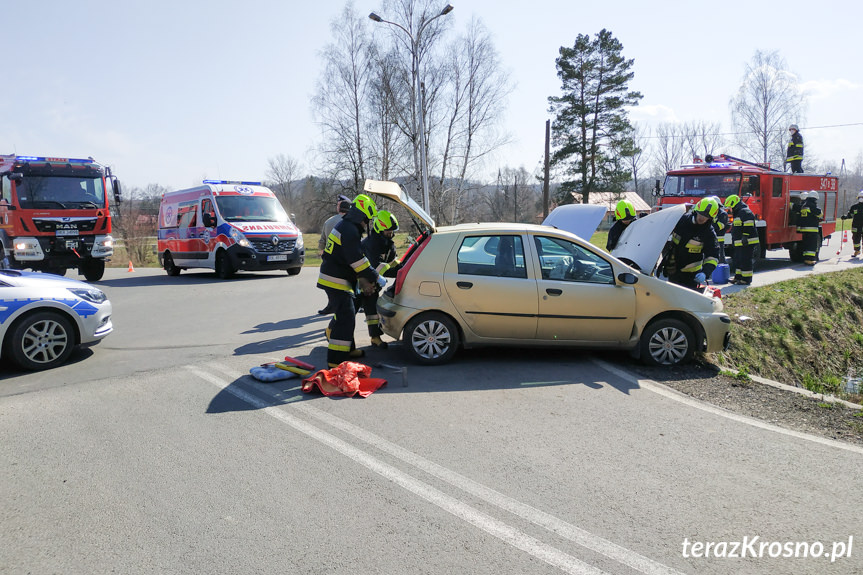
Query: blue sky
[171, 92]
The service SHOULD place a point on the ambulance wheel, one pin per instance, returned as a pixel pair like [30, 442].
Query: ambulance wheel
[431, 338]
[667, 342]
[170, 268]
[41, 340]
[224, 270]
[294, 271]
[93, 269]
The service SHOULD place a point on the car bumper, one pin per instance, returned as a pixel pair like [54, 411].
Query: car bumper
[97, 326]
[717, 331]
[393, 317]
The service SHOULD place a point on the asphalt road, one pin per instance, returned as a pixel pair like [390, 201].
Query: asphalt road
[155, 452]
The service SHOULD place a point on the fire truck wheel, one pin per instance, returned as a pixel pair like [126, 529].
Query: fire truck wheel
[223, 266]
[93, 269]
[41, 340]
[667, 342]
[56, 271]
[170, 268]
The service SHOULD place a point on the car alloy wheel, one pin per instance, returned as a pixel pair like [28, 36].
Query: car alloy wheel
[42, 340]
[432, 338]
[667, 342]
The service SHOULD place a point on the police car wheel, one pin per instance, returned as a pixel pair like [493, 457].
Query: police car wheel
[667, 342]
[41, 340]
[431, 338]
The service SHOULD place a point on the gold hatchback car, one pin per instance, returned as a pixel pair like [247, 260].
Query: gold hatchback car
[506, 284]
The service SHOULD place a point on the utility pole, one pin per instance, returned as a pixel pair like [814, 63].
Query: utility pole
[545, 176]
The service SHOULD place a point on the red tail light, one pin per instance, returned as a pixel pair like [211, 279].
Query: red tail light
[412, 257]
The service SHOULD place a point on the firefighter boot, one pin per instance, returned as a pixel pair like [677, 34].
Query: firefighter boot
[379, 343]
[856, 251]
[355, 353]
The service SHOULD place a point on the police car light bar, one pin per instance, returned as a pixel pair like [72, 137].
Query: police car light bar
[231, 182]
[45, 159]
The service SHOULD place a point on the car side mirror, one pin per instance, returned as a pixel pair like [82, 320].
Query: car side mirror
[16, 176]
[628, 278]
[209, 220]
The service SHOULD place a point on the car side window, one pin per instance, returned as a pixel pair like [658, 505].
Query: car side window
[496, 256]
[567, 261]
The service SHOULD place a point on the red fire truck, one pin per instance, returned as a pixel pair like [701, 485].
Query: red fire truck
[768, 192]
[54, 214]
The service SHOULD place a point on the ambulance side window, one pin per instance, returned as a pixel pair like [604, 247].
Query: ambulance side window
[186, 216]
[207, 208]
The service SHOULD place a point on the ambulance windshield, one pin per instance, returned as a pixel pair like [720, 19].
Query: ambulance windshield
[63, 192]
[699, 185]
[251, 209]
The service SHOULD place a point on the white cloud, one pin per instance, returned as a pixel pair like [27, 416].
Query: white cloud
[823, 89]
[652, 114]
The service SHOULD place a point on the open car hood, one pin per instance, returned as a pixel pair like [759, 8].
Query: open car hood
[394, 192]
[578, 219]
[642, 241]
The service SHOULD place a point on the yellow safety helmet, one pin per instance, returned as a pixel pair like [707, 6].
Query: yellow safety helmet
[624, 210]
[707, 207]
[385, 221]
[732, 201]
[366, 205]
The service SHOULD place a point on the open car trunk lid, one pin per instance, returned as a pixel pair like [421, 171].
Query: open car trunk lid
[394, 192]
[578, 219]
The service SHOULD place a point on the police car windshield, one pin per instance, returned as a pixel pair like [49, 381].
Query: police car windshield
[251, 209]
[700, 185]
[63, 192]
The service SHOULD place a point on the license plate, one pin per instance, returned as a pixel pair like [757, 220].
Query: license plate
[67, 233]
[71, 245]
[279, 258]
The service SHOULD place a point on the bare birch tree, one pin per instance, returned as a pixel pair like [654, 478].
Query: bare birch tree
[670, 146]
[282, 170]
[768, 101]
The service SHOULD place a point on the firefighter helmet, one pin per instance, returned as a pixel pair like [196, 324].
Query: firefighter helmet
[707, 207]
[794, 127]
[732, 201]
[366, 205]
[385, 221]
[624, 210]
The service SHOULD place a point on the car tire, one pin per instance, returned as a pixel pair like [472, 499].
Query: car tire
[294, 271]
[223, 266]
[92, 269]
[431, 338]
[41, 340]
[168, 261]
[667, 342]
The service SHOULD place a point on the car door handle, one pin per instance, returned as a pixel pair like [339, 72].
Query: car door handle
[554, 291]
[464, 285]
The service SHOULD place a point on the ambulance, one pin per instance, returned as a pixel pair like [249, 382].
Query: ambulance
[227, 226]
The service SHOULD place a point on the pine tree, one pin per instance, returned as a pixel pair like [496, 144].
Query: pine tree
[591, 128]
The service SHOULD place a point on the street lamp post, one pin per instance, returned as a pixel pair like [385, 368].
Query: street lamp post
[418, 95]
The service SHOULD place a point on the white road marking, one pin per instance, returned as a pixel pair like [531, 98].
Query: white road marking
[555, 525]
[665, 391]
[490, 525]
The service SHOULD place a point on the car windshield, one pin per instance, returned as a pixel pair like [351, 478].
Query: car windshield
[251, 209]
[698, 185]
[64, 192]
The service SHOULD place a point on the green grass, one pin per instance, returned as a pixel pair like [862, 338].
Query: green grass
[804, 331]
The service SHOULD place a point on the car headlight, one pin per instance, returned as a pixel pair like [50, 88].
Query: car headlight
[299, 243]
[240, 238]
[91, 295]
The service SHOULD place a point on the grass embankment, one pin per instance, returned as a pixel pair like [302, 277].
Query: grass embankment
[807, 331]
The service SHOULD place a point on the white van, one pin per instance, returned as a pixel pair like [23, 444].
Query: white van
[227, 226]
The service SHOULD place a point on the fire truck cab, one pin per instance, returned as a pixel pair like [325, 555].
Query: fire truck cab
[55, 214]
[769, 193]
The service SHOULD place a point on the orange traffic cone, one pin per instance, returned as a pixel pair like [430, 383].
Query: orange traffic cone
[131, 269]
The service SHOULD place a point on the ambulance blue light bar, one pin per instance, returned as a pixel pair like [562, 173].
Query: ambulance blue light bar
[46, 159]
[232, 182]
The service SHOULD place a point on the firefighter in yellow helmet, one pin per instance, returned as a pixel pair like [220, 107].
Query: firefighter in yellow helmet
[744, 236]
[720, 227]
[690, 256]
[624, 214]
[344, 270]
[380, 250]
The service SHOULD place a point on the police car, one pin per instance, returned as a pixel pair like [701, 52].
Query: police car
[43, 317]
